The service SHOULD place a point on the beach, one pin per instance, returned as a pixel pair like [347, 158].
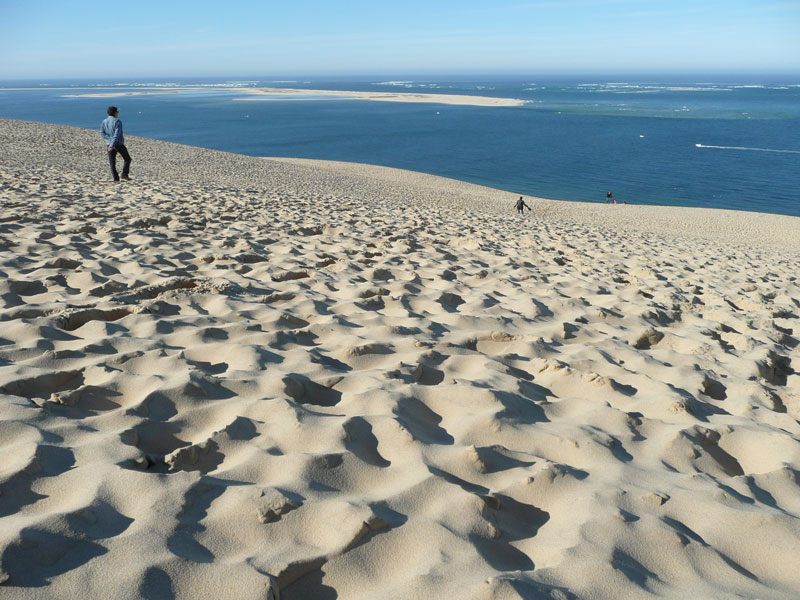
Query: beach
[255, 378]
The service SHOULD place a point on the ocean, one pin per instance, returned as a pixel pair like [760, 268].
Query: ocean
[704, 142]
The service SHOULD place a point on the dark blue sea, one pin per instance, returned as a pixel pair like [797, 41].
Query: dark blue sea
[710, 142]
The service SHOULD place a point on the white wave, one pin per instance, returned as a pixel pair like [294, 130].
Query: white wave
[125, 84]
[227, 84]
[403, 83]
[696, 89]
[748, 148]
[172, 84]
[650, 89]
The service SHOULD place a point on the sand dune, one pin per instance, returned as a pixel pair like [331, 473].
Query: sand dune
[278, 378]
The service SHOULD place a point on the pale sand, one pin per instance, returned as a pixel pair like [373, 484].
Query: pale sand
[258, 93]
[253, 378]
[455, 99]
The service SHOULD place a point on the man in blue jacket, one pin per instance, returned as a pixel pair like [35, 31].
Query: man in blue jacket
[111, 130]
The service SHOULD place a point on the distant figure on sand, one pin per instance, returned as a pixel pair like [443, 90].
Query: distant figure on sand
[610, 198]
[521, 206]
[111, 130]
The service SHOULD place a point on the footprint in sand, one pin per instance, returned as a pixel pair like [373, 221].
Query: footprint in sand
[303, 390]
[360, 440]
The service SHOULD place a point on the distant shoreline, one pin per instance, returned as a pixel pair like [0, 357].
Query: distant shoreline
[452, 99]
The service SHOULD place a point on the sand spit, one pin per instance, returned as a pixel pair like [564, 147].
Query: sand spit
[251, 378]
[302, 94]
[456, 99]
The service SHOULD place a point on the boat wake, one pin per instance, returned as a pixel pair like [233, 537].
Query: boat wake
[746, 148]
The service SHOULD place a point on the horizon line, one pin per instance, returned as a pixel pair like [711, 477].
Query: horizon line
[429, 74]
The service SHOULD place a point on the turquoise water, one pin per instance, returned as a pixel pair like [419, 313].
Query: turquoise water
[700, 142]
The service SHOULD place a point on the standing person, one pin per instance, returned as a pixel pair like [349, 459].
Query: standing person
[521, 206]
[610, 198]
[111, 131]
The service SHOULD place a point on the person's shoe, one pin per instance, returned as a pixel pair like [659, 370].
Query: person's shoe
[126, 177]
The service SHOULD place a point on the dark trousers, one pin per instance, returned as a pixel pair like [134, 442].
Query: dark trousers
[112, 159]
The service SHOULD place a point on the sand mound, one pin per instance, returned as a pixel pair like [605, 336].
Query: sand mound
[289, 379]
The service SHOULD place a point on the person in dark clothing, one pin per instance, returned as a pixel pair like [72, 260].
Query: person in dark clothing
[521, 206]
[111, 130]
[610, 198]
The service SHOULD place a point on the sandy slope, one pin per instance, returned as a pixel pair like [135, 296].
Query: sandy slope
[247, 378]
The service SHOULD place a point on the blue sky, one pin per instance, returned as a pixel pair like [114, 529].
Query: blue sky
[142, 38]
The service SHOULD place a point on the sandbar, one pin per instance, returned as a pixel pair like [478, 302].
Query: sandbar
[303, 94]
